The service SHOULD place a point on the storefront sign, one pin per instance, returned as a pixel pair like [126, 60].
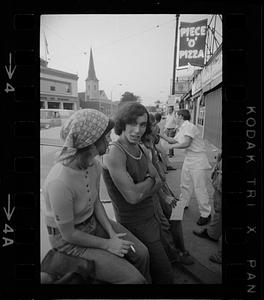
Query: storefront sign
[181, 87]
[172, 99]
[206, 75]
[197, 84]
[192, 43]
[217, 66]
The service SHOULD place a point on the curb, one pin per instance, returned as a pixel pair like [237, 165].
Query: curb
[200, 273]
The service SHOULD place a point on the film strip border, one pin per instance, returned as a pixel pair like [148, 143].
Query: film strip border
[20, 153]
[241, 150]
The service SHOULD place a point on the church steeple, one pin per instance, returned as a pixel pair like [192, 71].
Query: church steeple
[92, 83]
[91, 71]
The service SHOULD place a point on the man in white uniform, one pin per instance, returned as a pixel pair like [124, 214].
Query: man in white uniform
[170, 126]
[195, 163]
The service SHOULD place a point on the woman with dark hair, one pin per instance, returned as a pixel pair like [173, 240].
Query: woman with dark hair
[162, 151]
[132, 183]
[75, 217]
[175, 247]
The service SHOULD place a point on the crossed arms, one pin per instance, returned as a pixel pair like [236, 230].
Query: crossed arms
[115, 161]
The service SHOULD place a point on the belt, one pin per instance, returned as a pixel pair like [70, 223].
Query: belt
[84, 222]
[55, 230]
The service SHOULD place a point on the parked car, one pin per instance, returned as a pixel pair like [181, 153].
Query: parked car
[49, 118]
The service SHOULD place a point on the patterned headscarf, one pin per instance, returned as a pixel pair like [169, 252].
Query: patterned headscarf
[82, 129]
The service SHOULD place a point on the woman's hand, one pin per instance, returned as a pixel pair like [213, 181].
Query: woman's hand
[117, 245]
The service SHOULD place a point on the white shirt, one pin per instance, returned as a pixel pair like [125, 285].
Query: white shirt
[170, 121]
[195, 154]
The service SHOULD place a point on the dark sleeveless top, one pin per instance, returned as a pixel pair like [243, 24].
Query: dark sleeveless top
[124, 211]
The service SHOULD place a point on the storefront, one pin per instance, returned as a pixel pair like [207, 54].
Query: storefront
[207, 100]
[212, 91]
[213, 117]
[47, 101]
[196, 101]
[195, 107]
[58, 89]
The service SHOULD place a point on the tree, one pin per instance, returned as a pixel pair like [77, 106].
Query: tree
[129, 97]
[157, 103]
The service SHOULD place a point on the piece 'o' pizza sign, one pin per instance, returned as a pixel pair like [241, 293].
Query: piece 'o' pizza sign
[192, 43]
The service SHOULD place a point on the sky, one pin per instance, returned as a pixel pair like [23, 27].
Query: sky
[131, 53]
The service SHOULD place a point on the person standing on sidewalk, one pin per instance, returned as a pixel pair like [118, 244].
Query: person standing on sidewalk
[170, 126]
[195, 164]
[75, 217]
[214, 231]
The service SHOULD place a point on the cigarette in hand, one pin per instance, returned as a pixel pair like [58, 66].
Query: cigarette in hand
[132, 248]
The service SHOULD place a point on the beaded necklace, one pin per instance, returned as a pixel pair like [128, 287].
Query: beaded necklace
[120, 145]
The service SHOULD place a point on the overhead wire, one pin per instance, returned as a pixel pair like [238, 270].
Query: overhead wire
[85, 52]
[133, 35]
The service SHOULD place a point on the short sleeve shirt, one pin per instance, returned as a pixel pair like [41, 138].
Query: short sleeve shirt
[70, 194]
[196, 153]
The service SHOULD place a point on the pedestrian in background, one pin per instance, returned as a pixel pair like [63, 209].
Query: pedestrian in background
[168, 166]
[170, 126]
[195, 164]
[214, 231]
[75, 217]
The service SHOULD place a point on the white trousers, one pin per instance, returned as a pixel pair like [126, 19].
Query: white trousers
[195, 181]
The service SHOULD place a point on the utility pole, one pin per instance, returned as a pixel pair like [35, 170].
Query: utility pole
[175, 55]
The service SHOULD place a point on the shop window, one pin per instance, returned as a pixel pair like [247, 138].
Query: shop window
[201, 116]
[68, 106]
[53, 105]
[202, 101]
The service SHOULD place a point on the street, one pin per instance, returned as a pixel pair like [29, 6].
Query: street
[199, 248]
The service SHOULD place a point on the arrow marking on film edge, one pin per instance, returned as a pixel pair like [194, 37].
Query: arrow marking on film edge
[8, 213]
[9, 70]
